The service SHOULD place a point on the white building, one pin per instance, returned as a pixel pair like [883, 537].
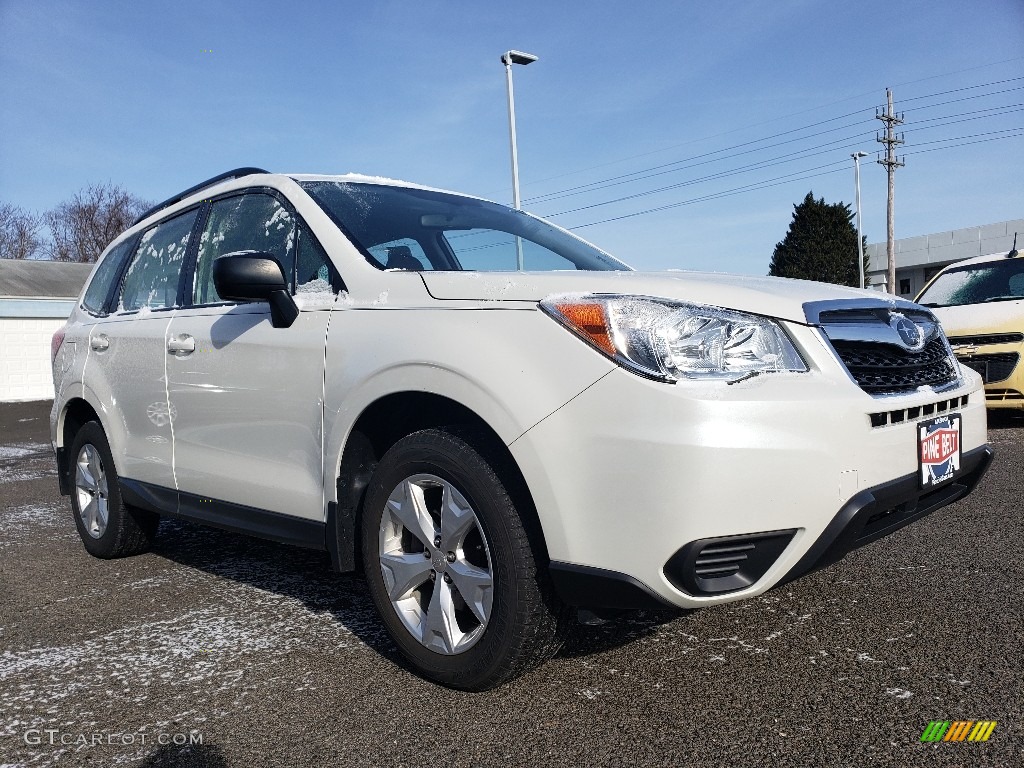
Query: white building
[36, 298]
[919, 258]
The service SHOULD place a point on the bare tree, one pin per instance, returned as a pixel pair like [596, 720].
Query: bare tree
[80, 228]
[19, 233]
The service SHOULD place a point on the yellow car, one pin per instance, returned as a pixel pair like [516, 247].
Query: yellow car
[980, 303]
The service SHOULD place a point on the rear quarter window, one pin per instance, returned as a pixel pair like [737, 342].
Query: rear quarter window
[97, 295]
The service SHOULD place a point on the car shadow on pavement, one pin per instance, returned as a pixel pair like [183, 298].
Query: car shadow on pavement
[186, 756]
[306, 575]
[614, 631]
[281, 570]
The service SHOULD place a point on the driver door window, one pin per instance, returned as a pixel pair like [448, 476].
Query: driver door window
[250, 222]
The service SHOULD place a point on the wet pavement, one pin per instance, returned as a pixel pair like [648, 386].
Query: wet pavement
[216, 649]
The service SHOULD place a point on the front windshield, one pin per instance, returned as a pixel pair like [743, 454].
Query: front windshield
[416, 229]
[977, 284]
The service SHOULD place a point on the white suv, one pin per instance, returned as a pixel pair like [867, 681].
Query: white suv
[494, 420]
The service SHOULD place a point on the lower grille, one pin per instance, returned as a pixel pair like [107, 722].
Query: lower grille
[901, 415]
[726, 563]
[879, 367]
[994, 367]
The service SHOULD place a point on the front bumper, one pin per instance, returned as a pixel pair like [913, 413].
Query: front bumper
[868, 516]
[631, 471]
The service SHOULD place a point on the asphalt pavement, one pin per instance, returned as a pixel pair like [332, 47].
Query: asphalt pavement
[216, 649]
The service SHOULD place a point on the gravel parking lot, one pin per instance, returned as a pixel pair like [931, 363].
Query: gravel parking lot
[266, 657]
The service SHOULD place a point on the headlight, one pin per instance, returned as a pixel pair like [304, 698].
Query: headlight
[671, 340]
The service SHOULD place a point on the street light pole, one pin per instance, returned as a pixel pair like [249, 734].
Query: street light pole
[860, 238]
[508, 59]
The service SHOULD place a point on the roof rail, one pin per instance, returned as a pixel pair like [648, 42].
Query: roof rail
[235, 174]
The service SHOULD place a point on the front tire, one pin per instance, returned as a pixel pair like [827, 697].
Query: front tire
[450, 565]
[108, 527]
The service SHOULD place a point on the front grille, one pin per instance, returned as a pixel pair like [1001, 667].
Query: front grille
[987, 338]
[992, 367]
[880, 368]
[726, 563]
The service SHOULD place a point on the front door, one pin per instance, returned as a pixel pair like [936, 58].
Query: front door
[248, 397]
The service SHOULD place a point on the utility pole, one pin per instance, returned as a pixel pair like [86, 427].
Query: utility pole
[891, 163]
[860, 237]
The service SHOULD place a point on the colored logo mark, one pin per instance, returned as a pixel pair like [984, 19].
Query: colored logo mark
[960, 730]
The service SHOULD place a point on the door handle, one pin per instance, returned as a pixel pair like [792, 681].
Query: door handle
[100, 343]
[183, 344]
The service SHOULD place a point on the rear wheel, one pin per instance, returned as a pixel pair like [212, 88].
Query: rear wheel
[450, 565]
[108, 527]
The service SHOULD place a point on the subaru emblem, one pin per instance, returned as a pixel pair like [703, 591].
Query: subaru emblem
[910, 334]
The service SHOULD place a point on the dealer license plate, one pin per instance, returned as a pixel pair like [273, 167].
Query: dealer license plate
[938, 449]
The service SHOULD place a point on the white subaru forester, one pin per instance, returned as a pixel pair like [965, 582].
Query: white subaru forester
[492, 419]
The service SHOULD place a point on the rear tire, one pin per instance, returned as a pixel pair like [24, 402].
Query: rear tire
[450, 565]
[108, 527]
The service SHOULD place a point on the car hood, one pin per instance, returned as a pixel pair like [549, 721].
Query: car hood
[972, 319]
[770, 296]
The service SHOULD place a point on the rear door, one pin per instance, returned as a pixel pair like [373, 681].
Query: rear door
[126, 363]
[248, 397]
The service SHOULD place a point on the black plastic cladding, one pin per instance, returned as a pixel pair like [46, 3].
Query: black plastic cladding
[725, 563]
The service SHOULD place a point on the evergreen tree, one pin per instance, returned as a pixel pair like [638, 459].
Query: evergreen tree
[821, 244]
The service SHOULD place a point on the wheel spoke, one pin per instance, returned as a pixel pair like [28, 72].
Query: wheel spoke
[476, 587]
[84, 477]
[441, 630]
[403, 572]
[457, 519]
[89, 515]
[84, 481]
[95, 466]
[411, 509]
[102, 513]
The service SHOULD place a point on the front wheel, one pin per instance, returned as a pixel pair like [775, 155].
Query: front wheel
[450, 566]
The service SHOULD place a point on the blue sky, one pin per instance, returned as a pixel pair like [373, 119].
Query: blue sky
[126, 92]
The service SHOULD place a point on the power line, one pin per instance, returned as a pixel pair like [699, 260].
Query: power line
[964, 144]
[969, 98]
[1007, 107]
[968, 87]
[826, 148]
[801, 112]
[779, 180]
[783, 159]
[665, 168]
[634, 176]
[715, 196]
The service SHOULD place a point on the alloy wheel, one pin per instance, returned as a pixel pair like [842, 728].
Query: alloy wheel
[436, 564]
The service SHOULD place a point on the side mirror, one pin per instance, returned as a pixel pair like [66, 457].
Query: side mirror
[255, 276]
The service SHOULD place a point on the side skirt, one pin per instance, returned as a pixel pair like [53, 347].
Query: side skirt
[236, 518]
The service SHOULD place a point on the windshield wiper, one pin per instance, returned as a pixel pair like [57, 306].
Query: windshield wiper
[1003, 298]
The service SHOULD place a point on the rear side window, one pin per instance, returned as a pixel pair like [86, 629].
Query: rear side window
[152, 278]
[103, 277]
[251, 222]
